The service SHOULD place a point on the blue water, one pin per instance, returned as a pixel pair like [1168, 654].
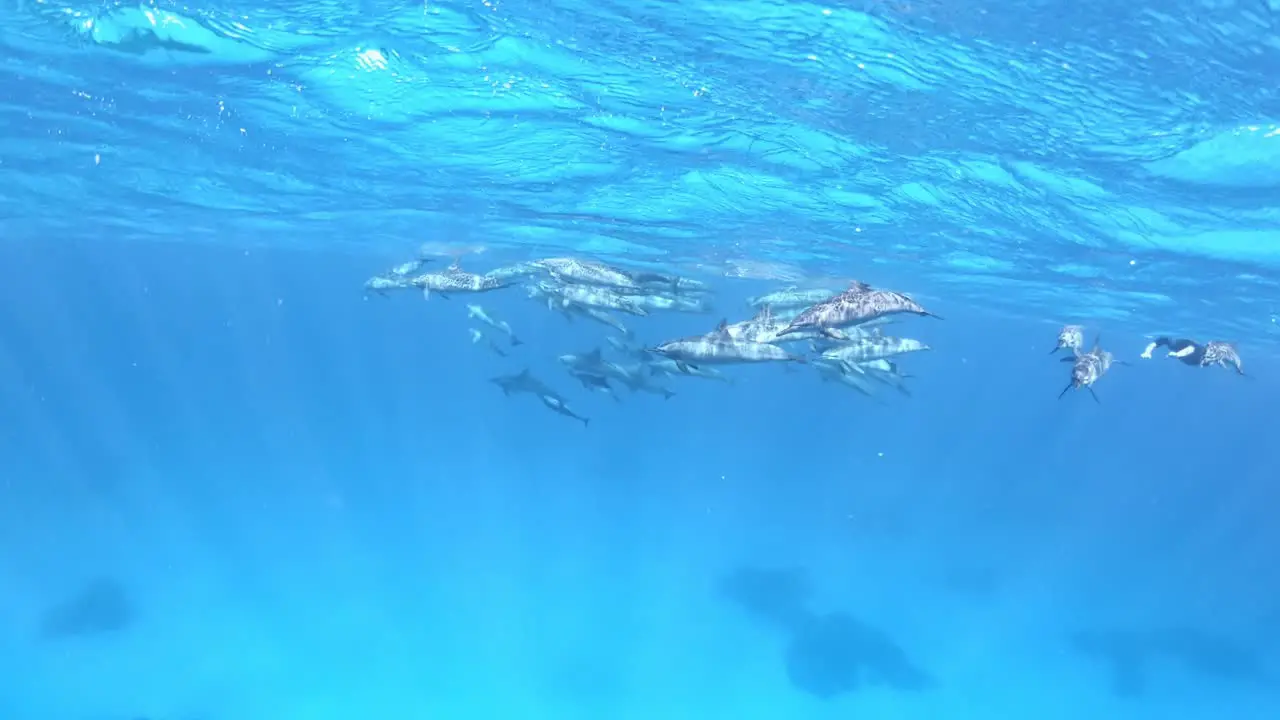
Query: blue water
[247, 489]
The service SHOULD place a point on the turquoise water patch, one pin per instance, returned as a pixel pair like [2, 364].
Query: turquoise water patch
[1056, 183]
[1246, 156]
[962, 260]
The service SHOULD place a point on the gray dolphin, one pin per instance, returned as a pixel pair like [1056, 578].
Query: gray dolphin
[523, 382]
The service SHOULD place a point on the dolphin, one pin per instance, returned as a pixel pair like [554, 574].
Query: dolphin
[721, 350]
[557, 404]
[595, 383]
[791, 297]
[587, 272]
[855, 306]
[873, 349]
[523, 382]
[478, 335]
[667, 366]
[455, 280]
[477, 312]
[1222, 354]
[1070, 337]
[835, 371]
[1087, 368]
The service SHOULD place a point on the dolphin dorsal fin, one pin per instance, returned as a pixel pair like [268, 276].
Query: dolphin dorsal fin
[723, 328]
[858, 286]
[593, 356]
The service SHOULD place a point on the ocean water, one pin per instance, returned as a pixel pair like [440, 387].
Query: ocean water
[235, 484]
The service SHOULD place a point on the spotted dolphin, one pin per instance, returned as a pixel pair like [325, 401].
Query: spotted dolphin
[1070, 337]
[856, 305]
[1222, 354]
[588, 272]
[456, 280]
[1087, 368]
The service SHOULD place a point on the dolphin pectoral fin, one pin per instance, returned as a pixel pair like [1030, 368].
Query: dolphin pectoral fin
[1125, 363]
[426, 293]
[1069, 358]
[1064, 391]
[1095, 395]
[935, 316]
[848, 368]
[830, 333]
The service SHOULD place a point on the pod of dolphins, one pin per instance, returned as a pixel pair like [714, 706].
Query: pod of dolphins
[839, 333]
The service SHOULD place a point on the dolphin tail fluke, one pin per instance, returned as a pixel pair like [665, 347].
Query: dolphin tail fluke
[586, 422]
[667, 394]
[516, 342]
[903, 389]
